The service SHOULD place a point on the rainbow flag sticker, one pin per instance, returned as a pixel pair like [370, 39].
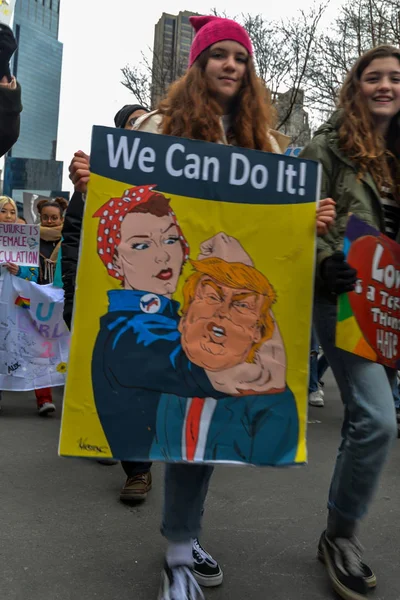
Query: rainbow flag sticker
[23, 302]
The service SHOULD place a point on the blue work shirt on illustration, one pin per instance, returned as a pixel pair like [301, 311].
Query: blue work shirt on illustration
[142, 379]
[137, 357]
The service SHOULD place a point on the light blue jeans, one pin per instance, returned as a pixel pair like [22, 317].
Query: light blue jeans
[369, 426]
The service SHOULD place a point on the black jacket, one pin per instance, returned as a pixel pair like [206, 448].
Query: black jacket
[10, 108]
[71, 237]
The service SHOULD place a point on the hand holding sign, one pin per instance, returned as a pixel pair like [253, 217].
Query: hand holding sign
[326, 214]
[79, 171]
[338, 275]
[11, 268]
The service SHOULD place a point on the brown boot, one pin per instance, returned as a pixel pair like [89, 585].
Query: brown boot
[136, 488]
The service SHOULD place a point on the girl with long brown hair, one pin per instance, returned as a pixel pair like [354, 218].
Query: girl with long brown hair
[359, 151]
[221, 100]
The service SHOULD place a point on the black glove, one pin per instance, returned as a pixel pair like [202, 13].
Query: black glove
[8, 46]
[337, 274]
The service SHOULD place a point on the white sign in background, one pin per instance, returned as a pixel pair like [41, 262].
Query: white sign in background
[6, 11]
[19, 244]
[31, 214]
[34, 340]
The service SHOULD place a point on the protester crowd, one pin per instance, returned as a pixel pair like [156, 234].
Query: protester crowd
[220, 99]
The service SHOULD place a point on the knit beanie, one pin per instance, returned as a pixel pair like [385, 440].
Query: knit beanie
[122, 115]
[210, 30]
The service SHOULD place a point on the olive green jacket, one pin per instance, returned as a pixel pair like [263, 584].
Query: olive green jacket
[353, 195]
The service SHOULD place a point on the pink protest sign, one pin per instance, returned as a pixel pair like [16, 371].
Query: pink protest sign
[19, 244]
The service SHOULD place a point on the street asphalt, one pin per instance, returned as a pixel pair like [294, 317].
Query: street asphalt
[65, 535]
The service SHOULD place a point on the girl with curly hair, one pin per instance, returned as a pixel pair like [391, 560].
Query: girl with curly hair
[220, 99]
[359, 148]
[51, 214]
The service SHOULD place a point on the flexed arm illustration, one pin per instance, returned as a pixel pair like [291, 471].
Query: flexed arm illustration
[228, 326]
[139, 346]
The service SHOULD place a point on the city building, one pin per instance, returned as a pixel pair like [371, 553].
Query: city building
[37, 66]
[173, 36]
[297, 125]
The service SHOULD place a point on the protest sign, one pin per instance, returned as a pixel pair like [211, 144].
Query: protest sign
[193, 307]
[31, 200]
[19, 244]
[369, 318]
[6, 11]
[34, 340]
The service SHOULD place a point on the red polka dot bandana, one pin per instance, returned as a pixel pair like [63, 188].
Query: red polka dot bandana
[111, 215]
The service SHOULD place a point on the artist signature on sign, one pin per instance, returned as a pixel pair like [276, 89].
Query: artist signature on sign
[14, 367]
[83, 445]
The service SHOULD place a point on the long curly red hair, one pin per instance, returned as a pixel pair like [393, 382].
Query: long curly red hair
[190, 109]
[358, 136]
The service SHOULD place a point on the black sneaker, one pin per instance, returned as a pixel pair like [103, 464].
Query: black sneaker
[207, 571]
[342, 558]
[368, 574]
[179, 583]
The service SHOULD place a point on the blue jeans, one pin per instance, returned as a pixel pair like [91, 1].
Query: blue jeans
[323, 366]
[369, 426]
[135, 468]
[313, 378]
[185, 491]
[318, 366]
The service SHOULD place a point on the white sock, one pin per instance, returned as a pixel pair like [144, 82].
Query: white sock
[179, 553]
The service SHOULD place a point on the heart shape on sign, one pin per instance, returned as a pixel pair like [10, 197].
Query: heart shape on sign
[377, 261]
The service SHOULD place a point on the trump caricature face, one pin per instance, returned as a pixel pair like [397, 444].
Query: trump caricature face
[221, 325]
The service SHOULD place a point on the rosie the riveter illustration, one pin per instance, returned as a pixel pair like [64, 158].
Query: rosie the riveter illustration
[172, 387]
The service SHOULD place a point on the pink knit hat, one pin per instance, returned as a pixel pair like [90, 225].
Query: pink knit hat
[210, 30]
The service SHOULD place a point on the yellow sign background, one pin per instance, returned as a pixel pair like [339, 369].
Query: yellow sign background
[280, 239]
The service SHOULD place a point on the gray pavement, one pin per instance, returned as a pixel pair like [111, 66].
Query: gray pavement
[65, 536]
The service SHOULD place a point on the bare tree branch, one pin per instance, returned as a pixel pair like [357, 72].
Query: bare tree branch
[293, 57]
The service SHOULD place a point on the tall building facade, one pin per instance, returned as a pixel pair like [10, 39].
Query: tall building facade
[37, 66]
[173, 36]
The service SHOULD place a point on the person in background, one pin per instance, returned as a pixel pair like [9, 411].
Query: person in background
[8, 214]
[138, 475]
[51, 214]
[128, 115]
[21, 220]
[10, 92]
[315, 391]
[220, 99]
[359, 150]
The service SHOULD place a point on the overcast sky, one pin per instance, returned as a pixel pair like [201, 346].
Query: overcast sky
[102, 36]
